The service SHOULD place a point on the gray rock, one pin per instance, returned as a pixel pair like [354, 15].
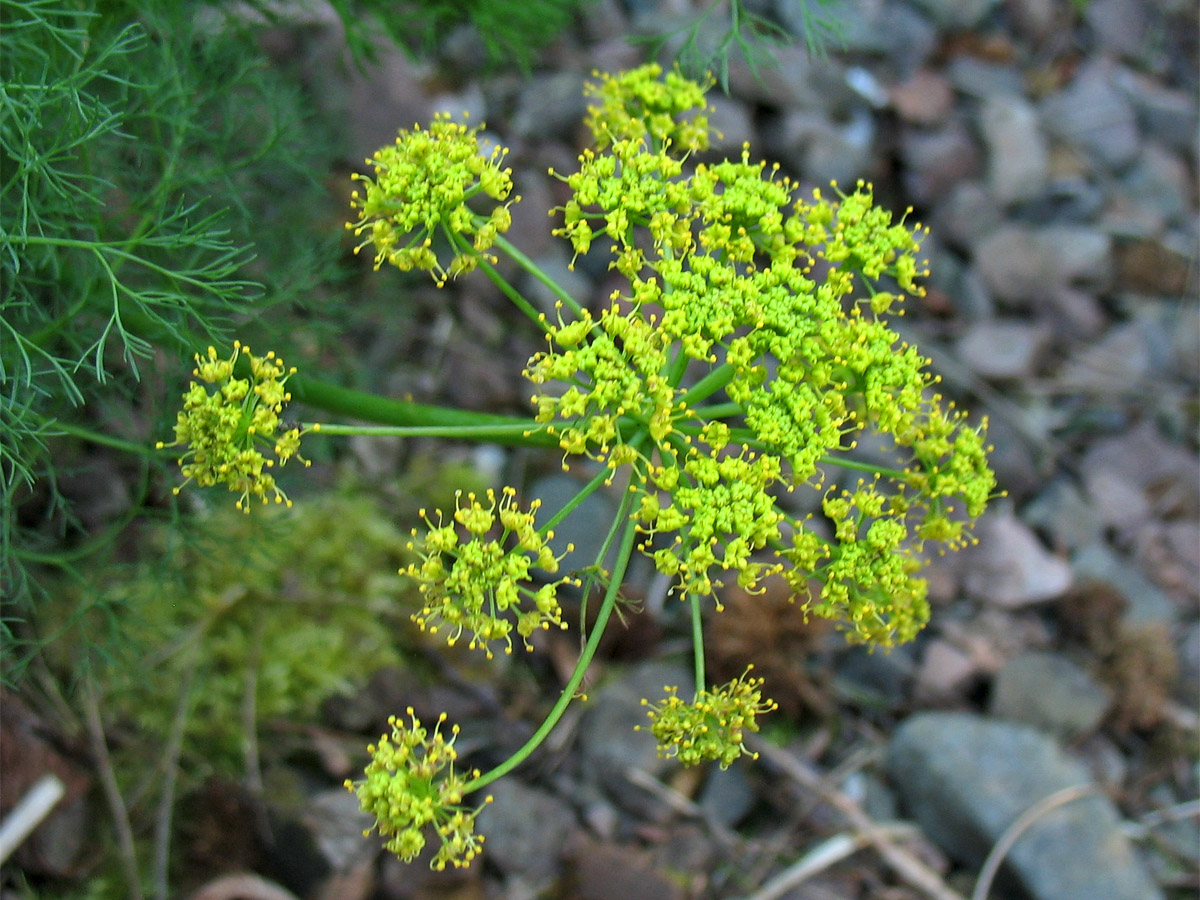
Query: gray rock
[793, 83]
[731, 126]
[998, 349]
[878, 679]
[892, 30]
[957, 15]
[584, 529]
[728, 795]
[980, 78]
[1050, 693]
[1094, 115]
[380, 100]
[967, 215]
[819, 149]
[526, 829]
[1188, 685]
[611, 742]
[1065, 514]
[935, 161]
[966, 779]
[1147, 602]
[1010, 567]
[550, 106]
[1018, 161]
[1166, 114]
[1159, 181]
[1025, 265]
[1119, 26]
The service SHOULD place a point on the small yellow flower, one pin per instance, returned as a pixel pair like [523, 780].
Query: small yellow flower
[421, 192]
[713, 726]
[479, 584]
[231, 430]
[412, 790]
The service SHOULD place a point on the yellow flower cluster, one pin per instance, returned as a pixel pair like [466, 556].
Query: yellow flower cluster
[421, 193]
[232, 430]
[713, 726]
[764, 313]
[638, 104]
[412, 789]
[477, 581]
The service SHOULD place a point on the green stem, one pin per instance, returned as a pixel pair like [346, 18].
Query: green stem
[719, 410]
[697, 641]
[864, 467]
[96, 437]
[581, 667]
[535, 270]
[498, 280]
[495, 433]
[402, 413]
[709, 384]
[588, 489]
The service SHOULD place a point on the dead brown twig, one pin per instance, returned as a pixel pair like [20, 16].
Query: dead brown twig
[914, 872]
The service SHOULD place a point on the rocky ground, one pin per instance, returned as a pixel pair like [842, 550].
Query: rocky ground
[1046, 719]
[1051, 147]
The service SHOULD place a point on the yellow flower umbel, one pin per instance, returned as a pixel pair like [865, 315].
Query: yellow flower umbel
[711, 727]
[478, 582]
[420, 193]
[755, 322]
[231, 426]
[411, 789]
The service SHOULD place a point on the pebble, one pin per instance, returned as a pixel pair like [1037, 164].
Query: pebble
[1188, 652]
[551, 106]
[1065, 514]
[896, 32]
[1002, 349]
[957, 15]
[1018, 161]
[732, 127]
[611, 744]
[821, 151]
[983, 78]
[935, 161]
[1119, 26]
[944, 674]
[527, 830]
[1152, 195]
[925, 98]
[1009, 567]
[967, 778]
[1094, 115]
[1051, 693]
[1023, 265]
[966, 215]
[584, 529]
[1146, 602]
[1165, 113]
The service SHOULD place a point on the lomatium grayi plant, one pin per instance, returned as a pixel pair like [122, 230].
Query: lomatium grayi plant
[748, 352]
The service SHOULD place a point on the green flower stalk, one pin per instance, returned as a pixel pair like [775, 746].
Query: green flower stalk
[233, 432]
[743, 358]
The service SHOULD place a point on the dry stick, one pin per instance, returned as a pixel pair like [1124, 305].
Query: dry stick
[27, 815]
[914, 872]
[166, 803]
[112, 792]
[819, 858]
[1014, 831]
